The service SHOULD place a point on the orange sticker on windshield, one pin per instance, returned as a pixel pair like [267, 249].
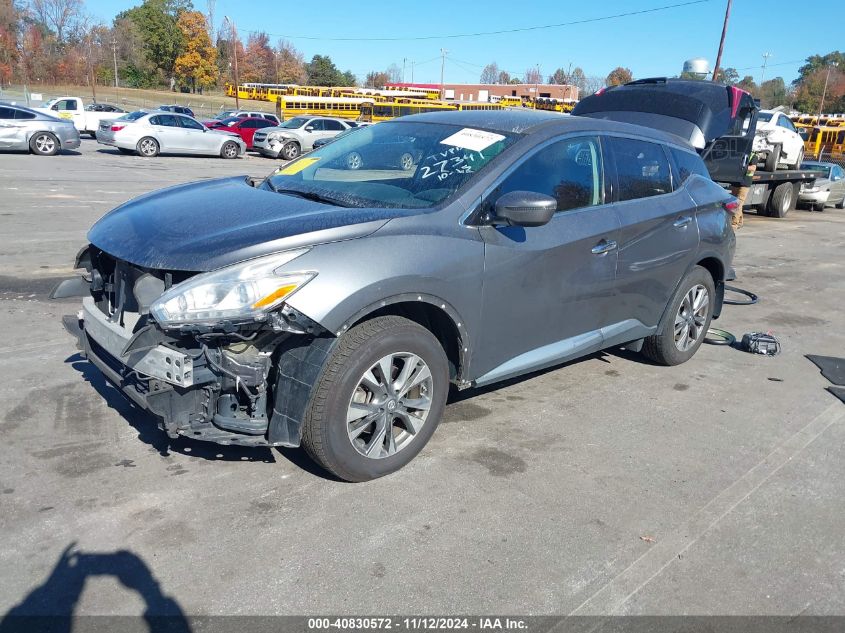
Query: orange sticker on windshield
[298, 166]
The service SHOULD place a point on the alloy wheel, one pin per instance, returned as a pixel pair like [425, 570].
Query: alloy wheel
[407, 162]
[148, 147]
[45, 144]
[389, 405]
[354, 160]
[691, 317]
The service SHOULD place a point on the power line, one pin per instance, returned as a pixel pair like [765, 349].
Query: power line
[485, 33]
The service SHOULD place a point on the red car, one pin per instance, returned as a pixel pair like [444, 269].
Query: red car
[245, 128]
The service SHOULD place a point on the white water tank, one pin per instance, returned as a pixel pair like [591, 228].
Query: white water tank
[697, 66]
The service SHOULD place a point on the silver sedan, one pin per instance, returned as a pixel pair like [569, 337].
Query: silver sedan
[37, 132]
[151, 133]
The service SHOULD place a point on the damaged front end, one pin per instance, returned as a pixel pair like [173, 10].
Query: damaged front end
[215, 356]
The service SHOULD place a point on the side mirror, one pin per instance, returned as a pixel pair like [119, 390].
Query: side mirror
[309, 128]
[524, 208]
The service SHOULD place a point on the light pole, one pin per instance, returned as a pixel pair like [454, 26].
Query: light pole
[234, 42]
[824, 92]
[765, 63]
[443, 52]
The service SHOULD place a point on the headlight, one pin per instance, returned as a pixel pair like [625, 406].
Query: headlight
[243, 292]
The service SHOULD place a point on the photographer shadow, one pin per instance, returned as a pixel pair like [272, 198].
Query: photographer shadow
[51, 606]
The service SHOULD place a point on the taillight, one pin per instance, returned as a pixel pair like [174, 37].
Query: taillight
[117, 128]
[731, 206]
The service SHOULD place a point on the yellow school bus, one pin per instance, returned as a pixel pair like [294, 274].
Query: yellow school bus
[344, 107]
[824, 140]
[384, 111]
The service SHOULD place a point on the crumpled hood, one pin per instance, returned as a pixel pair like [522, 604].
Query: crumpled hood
[205, 225]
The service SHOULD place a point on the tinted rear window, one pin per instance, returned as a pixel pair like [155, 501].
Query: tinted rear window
[641, 167]
[688, 164]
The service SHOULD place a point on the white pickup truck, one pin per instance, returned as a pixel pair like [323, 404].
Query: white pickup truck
[73, 109]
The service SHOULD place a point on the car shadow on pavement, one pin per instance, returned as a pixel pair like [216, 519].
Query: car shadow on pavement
[51, 605]
[148, 431]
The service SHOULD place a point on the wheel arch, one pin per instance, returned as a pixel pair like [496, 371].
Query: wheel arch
[433, 313]
[713, 264]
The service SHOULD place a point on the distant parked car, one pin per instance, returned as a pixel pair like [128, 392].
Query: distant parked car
[40, 133]
[390, 152]
[176, 108]
[244, 114]
[243, 127]
[151, 133]
[777, 142]
[297, 135]
[320, 142]
[103, 107]
[829, 189]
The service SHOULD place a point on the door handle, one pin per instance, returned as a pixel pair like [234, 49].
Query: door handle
[682, 222]
[603, 247]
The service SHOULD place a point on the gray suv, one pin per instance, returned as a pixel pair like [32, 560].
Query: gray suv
[332, 307]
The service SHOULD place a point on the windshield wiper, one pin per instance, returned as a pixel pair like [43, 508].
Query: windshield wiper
[308, 195]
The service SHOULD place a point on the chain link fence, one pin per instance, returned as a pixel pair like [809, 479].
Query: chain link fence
[204, 106]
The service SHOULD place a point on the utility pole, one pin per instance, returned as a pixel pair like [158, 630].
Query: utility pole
[234, 42]
[412, 71]
[722, 42]
[765, 63]
[824, 92]
[443, 52]
[403, 69]
[537, 87]
[114, 55]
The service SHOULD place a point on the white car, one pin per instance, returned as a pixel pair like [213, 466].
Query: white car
[151, 133]
[777, 142]
[297, 135]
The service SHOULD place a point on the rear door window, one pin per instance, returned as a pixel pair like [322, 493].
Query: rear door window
[166, 120]
[6, 113]
[688, 163]
[642, 169]
[190, 123]
[333, 126]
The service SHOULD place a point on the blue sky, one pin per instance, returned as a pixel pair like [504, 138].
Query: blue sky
[650, 44]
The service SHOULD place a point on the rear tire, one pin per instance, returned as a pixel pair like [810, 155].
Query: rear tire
[229, 150]
[360, 424]
[44, 144]
[773, 159]
[782, 200]
[686, 322]
[406, 162]
[148, 147]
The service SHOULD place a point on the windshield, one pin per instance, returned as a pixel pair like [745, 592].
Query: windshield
[395, 164]
[817, 167]
[230, 120]
[226, 114]
[295, 122]
[765, 117]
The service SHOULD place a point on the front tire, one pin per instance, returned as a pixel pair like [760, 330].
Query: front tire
[687, 320]
[379, 399]
[229, 150]
[290, 150]
[148, 147]
[44, 144]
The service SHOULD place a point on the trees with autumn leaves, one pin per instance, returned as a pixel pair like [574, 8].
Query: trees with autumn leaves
[195, 67]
